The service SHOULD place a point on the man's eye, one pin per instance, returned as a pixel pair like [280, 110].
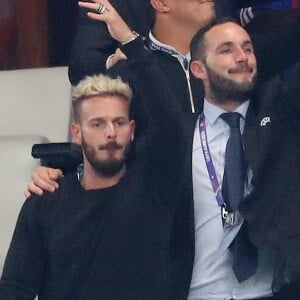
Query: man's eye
[120, 123]
[225, 50]
[249, 50]
[98, 125]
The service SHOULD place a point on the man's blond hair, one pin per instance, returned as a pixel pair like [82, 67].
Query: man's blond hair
[98, 85]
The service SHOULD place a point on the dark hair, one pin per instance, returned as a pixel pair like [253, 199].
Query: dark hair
[198, 46]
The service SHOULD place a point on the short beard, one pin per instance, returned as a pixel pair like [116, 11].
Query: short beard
[107, 167]
[225, 90]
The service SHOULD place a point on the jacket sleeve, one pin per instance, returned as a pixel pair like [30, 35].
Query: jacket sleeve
[23, 269]
[285, 234]
[158, 114]
[289, 103]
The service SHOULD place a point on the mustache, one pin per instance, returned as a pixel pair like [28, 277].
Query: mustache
[241, 69]
[111, 146]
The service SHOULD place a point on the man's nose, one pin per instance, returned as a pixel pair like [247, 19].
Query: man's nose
[240, 55]
[110, 131]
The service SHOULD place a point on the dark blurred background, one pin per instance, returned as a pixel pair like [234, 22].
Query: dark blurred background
[36, 33]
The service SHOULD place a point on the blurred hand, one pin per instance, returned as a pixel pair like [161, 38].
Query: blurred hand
[117, 56]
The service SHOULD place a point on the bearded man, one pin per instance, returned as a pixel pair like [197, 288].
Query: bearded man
[245, 234]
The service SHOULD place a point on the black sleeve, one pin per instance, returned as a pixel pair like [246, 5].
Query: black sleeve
[289, 104]
[285, 232]
[23, 269]
[159, 115]
[277, 51]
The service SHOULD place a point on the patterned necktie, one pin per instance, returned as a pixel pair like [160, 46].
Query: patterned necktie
[244, 253]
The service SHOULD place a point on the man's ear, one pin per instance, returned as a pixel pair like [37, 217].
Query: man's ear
[160, 5]
[198, 69]
[76, 133]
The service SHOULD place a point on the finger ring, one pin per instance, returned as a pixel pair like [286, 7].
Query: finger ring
[101, 9]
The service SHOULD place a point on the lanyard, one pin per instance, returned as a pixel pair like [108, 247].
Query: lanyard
[229, 219]
[209, 163]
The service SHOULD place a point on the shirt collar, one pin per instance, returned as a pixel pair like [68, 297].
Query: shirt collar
[213, 112]
[154, 44]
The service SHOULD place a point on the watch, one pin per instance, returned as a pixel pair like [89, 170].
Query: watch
[135, 36]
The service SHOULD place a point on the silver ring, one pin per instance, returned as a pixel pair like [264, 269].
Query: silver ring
[101, 9]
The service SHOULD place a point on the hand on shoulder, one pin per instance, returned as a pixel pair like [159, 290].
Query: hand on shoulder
[43, 179]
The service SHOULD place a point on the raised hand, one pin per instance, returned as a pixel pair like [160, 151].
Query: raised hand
[102, 10]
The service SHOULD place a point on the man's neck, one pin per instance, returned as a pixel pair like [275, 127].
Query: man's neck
[178, 38]
[92, 180]
[228, 107]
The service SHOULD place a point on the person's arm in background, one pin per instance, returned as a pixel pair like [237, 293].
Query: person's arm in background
[93, 44]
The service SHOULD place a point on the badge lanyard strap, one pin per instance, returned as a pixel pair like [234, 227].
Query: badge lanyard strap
[228, 219]
[209, 163]
[155, 47]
